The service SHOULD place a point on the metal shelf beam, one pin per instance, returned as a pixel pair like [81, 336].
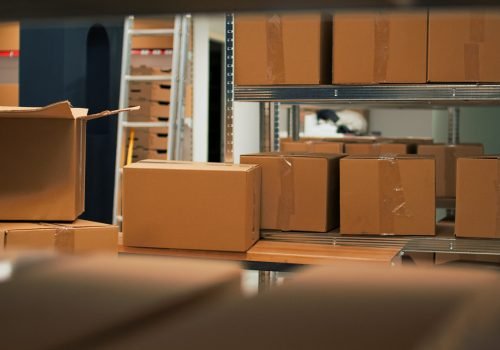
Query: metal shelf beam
[423, 95]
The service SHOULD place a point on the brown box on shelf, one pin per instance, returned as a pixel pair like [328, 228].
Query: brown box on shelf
[43, 162]
[9, 94]
[153, 42]
[148, 70]
[478, 193]
[312, 147]
[300, 192]
[149, 109]
[150, 91]
[464, 46]
[376, 148]
[78, 237]
[394, 196]
[159, 210]
[380, 47]
[282, 49]
[446, 158]
[157, 141]
[9, 36]
[140, 153]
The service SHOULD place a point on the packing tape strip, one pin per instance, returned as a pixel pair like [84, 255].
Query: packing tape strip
[382, 32]
[286, 204]
[471, 49]
[64, 237]
[275, 69]
[392, 199]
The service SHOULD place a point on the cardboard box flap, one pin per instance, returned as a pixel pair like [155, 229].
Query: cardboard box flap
[185, 165]
[296, 155]
[58, 110]
[391, 156]
[27, 226]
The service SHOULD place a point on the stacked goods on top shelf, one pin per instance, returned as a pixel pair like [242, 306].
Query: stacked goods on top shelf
[478, 194]
[376, 148]
[153, 42]
[43, 154]
[300, 192]
[159, 210]
[154, 99]
[446, 161]
[380, 47]
[464, 46]
[9, 71]
[383, 195]
[280, 49]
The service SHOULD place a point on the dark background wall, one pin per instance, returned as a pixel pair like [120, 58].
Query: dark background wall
[78, 61]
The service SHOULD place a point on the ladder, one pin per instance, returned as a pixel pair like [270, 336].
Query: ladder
[175, 122]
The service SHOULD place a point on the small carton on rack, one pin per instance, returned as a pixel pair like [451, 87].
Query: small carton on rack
[186, 205]
[387, 195]
[78, 237]
[300, 192]
[312, 147]
[380, 47]
[43, 162]
[478, 194]
[376, 149]
[464, 46]
[280, 49]
[446, 162]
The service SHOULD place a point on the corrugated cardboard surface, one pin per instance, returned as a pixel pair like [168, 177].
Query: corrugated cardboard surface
[207, 206]
[153, 42]
[464, 46]
[43, 162]
[342, 307]
[312, 147]
[9, 36]
[299, 192]
[380, 47]
[478, 197]
[110, 296]
[78, 237]
[446, 157]
[9, 94]
[376, 148]
[150, 91]
[282, 49]
[387, 195]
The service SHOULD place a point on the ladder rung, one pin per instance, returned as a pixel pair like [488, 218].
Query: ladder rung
[148, 77]
[145, 124]
[151, 32]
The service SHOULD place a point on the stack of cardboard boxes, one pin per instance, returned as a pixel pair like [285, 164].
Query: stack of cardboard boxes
[368, 48]
[42, 184]
[154, 99]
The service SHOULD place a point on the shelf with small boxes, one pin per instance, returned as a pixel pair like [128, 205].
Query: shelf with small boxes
[369, 66]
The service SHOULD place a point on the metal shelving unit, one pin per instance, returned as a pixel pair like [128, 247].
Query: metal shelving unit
[450, 96]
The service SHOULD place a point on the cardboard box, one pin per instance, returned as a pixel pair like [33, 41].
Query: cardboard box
[149, 109]
[446, 158]
[150, 139]
[282, 49]
[300, 192]
[9, 94]
[376, 149]
[387, 195]
[153, 42]
[478, 193]
[148, 70]
[312, 147]
[150, 91]
[79, 237]
[9, 36]
[140, 153]
[380, 47]
[159, 210]
[464, 46]
[460, 259]
[43, 161]
[158, 141]
[43, 295]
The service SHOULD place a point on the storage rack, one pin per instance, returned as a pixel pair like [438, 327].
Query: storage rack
[392, 95]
